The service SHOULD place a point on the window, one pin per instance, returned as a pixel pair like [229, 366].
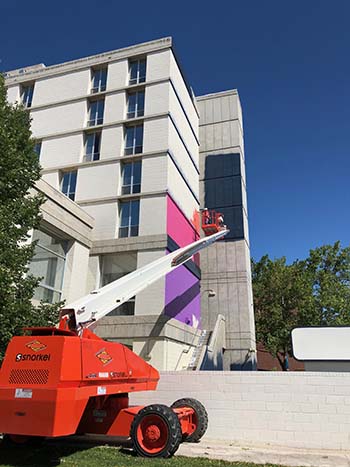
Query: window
[129, 218]
[92, 146]
[136, 104]
[131, 178]
[96, 112]
[99, 80]
[137, 71]
[69, 181]
[48, 263]
[37, 148]
[133, 139]
[27, 95]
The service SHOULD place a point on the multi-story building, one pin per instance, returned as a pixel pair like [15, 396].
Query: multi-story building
[118, 135]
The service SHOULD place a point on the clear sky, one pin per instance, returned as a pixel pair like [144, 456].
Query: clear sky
[290, 62]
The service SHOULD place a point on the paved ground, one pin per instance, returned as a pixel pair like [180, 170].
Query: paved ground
[266, 454]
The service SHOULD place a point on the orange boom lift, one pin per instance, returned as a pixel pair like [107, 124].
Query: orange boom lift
[65, 380]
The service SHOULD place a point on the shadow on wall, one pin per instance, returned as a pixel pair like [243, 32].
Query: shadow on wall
[171, 311]
[223, 190]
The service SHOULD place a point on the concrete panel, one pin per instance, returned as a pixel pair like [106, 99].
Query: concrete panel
[183, 93]
[151, 300]
[183, 160]
[152, 215]
[112, 142]
[154, 174]
[115, 107]
[98, 181]
[61, 151]
[158, 65]
[75, 278]
[117, 74]
[13, 94]
[66, 117]
[155, 135]
[105, 215]
[180, 192]
[157, 98]
[62, 87]
[52, 179]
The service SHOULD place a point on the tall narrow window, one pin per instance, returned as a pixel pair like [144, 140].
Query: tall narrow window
[129, 218]
[133, 139]
[27, 95]
[92, 146]
[96, 112]
[131, 178]
[48, 263]
[69, 182]
[137, 71]
[37, 148]
[99, 80]
[136, 104]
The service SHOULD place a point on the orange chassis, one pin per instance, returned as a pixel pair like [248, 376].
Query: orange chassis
[55, 383]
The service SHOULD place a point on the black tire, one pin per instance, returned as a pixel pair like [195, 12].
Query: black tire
[201, 417]
[152, 421]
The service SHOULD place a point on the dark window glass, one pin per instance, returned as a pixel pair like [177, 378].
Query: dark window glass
[129, 218]
[133, 139]
[136, 103]
[37, 148]
[27, 95]
[99, 80]
[96, 112]
[69, 181]
[137, 71]
[92, 147]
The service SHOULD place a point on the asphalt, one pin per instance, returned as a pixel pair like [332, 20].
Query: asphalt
[265, 454]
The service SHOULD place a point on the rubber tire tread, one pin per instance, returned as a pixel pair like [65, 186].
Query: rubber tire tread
[202, 417]
[172, 422]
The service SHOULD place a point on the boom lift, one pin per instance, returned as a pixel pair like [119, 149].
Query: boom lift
[65, 380]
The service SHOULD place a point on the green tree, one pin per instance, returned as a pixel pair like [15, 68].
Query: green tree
[19, 213]
[314, 291]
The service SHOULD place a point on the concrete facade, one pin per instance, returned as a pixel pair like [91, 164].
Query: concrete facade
[225, 266]
[119, 134]
[290, 409]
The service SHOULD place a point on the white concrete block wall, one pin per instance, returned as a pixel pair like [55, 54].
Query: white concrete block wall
[61, 151]
[115, 107]
[105, 216]
[13, 94]
[98, 181]
[152, 215]
[154, 174]
[180, 192]
[183, 160]
[183, 93]
[151, 300]
[157, 98]
[75, 274]
[62, 87]
[52, 178]
[66, 117]
[158, 65]
[112, 142]
[117, 74]
[294, 409]
[155, 134]
[183, 126]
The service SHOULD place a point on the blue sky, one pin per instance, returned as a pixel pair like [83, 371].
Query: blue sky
[290, 63]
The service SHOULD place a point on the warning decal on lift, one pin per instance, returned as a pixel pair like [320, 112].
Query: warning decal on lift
[23, 394]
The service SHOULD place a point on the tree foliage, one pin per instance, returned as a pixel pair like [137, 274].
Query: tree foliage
[311, 292]
[19, 214]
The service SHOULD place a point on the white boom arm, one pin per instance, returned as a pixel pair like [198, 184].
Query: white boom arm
[91, 308]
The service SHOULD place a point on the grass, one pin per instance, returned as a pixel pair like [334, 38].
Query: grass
[50, 455]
